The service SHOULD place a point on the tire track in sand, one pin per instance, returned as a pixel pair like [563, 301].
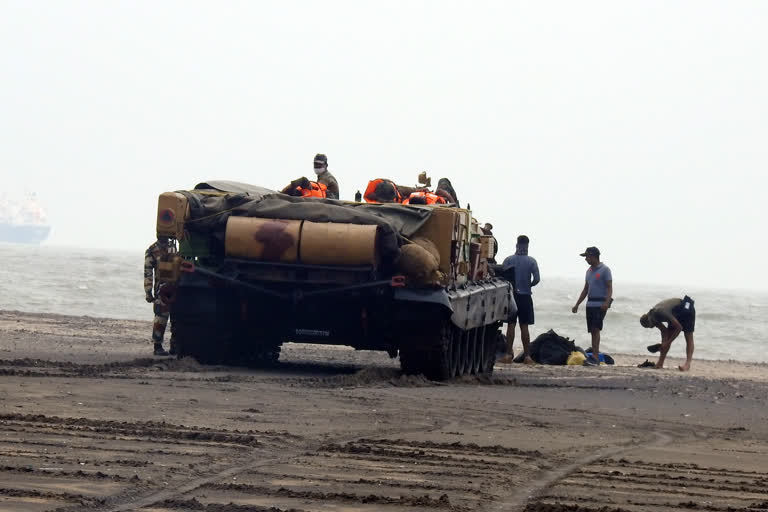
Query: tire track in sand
[521, 497]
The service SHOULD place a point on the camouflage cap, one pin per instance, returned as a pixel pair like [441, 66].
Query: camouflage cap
[321, 159]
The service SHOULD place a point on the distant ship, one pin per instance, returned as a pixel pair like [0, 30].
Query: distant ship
[23, 222]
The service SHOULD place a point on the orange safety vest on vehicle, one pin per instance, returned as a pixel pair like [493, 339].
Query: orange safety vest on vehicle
[315, 190]
[370, 191]
[429, 196]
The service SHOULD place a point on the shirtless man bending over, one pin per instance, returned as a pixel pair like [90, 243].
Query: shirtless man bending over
[680, 316]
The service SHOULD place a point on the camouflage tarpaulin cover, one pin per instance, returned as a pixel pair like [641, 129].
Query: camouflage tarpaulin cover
[209, 213]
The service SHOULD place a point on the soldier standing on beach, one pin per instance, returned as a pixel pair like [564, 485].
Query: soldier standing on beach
[161, 250]
[680, 316]
[598, 290]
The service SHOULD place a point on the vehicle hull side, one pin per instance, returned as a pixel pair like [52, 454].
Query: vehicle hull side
[375, 318]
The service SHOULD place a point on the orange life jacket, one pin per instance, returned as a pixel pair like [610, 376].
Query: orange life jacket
[429, 196]
[370, 191]
[315, 190]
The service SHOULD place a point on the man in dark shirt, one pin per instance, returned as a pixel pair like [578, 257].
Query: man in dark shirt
[526, 276]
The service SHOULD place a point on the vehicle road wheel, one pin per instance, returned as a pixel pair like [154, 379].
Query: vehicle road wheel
[197, 340]
[409, 361]
[479, 349]
[439, 355]
[471, 351]
[463, 342]
[432, 359]
[493, 337]
[255, 349]
[455, 351]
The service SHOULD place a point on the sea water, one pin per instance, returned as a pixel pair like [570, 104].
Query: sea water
[104, 283]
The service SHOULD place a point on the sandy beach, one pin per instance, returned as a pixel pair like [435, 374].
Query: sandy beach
[92, 422]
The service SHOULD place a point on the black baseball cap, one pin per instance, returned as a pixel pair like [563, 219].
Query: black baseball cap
[591, 251]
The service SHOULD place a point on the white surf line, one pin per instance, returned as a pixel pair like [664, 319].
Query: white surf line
[519, 499]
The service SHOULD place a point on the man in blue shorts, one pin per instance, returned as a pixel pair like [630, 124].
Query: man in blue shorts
[680, 316]
[523, 272]
[598, 290]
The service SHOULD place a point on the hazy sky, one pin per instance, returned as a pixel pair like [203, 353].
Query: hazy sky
[639, 127]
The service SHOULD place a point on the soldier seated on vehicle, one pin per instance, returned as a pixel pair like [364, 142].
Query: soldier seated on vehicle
[416, 199]
[446, 191]
[324, 176]
[382, 191]
[487, 229]
[302, 187]
[424, 198]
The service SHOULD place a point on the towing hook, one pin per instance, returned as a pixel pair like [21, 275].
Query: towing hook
[168, 293]
[397, 282]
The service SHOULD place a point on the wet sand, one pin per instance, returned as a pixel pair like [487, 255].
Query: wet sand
[90, 421]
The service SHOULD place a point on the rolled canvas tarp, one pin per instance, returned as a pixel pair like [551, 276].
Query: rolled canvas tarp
[263, 239]
[212, 203]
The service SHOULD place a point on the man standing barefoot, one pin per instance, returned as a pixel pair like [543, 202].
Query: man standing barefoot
[680, 316]
[598, 289]
[525, 276]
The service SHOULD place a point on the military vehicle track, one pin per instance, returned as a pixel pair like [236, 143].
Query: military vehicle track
[633, 484]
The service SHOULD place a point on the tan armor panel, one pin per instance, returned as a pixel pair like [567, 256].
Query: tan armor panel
[486, 246]
[448, 229]
[442, 229]
[172, 211]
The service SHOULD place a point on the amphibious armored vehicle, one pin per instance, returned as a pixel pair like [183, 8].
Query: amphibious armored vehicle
[257, 268]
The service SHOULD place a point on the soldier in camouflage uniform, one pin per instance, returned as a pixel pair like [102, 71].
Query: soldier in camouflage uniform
[325, 177]
[161, 250]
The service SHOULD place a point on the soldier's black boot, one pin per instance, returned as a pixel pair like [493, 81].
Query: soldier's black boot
[159, 351]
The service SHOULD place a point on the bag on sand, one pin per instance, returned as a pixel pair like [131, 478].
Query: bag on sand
[551, 348]
[576, 358]
[604, 358]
